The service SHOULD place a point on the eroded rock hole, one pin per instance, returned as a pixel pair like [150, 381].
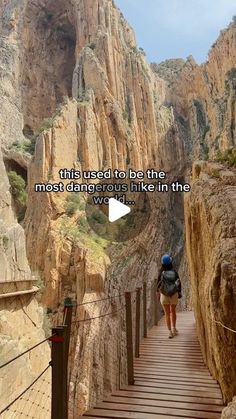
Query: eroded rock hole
[48, 60]
[28, 132]
[12, 165]
[17, 176]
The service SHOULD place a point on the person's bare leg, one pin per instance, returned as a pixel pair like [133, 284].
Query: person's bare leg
[167, 317]
[173, 319]
[173, 315]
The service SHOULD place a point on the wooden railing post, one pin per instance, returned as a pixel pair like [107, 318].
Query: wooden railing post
[144, 309]
[59, 374]
[155, 306]
[137, 326]
[129, 339]
[68, 307]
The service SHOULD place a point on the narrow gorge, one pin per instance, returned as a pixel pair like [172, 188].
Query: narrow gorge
[76, 92]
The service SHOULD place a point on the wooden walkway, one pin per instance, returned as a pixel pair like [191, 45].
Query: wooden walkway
[171, 380]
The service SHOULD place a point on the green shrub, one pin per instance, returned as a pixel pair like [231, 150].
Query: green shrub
[74, 203]
[125, 115]
[5, 241]
[215, 173]
[91, 241]
[135, 49]
[46, 124]
[92, 45]
[82, 224]
[83, 98]
[26, 146]
[99, 217]
[39, 283]
[18, 187]
[142, 51]
[228, 157]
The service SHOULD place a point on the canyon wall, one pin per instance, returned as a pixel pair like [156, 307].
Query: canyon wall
[210, 231]
[115, 119]
[203, 97]
[78, 87]
[21, 318]
[80, 90]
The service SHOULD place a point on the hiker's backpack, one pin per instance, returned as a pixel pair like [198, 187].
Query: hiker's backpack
[169, 283]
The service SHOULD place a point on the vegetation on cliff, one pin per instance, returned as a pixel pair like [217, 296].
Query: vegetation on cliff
[228, 157]
[19, 194]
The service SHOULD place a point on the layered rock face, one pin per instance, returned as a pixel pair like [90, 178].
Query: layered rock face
[21, 319]
[115, 119]
[204, 97]
[75, 83]
[21, 327]
[211, 247]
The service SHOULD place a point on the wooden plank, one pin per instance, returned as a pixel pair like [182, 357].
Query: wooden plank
[102, 413]
[178, 405]
[171, 380]
[176, 362]
[169, 355]
[169, 398]
[187, 360]
[165, 371]
[180, 392]
[178, 386]
[157, 410]
[181, 377]
[177, 368]
[173, 344]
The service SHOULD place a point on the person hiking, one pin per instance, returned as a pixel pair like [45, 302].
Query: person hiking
[169, 291]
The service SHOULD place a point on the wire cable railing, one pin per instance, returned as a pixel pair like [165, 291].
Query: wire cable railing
[57, 338]
[25, 352]
[83, 320]
[223, 325]
[99, 317]
[26, 389]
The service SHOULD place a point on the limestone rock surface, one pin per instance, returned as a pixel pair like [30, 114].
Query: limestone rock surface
[211, 248]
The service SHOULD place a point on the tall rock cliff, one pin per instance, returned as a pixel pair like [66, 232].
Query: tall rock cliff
[82, 95]
[210, 230]
[203, 97]
[21, 318]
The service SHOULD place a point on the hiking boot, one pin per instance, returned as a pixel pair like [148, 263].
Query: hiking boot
[175, 332]
[171, 335]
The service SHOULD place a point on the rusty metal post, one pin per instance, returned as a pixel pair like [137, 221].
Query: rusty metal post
[144, 309]
[59, 374]
[137, 325]
[129, 339]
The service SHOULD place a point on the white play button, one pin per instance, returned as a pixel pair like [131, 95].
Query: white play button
[117, 210]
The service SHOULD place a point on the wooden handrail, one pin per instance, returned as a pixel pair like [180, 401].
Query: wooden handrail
[33, 290]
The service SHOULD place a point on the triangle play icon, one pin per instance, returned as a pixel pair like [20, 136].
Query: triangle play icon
[117, 210]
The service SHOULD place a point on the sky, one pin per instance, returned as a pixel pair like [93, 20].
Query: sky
[177, 28]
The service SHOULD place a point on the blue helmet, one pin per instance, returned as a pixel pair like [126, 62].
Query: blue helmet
[166, 260]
